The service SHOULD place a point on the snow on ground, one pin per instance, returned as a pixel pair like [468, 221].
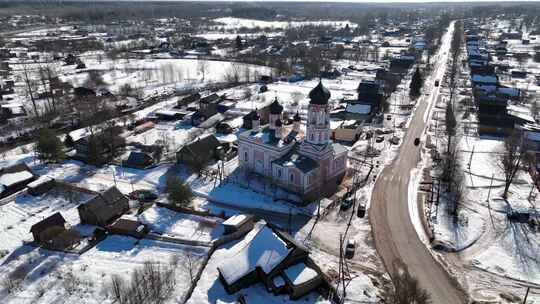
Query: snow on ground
[232, 36]
[126, 179]
[209, 289]
[512, 249]
[149, 73]
[230, 23]
[54, 277]
[186, 226]
[18, 216]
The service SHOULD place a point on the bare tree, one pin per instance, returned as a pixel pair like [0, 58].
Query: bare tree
[233, 73]
[406, 290]
[510, 159]
[189, 265]
[451, 124]
[30, 86]
[153, 284]
[202, 68]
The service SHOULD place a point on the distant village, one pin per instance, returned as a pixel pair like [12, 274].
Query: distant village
[226, 159]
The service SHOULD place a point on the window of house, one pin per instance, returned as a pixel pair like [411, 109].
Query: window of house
[311, 136]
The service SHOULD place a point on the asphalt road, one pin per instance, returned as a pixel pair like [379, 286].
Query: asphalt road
[396, 239]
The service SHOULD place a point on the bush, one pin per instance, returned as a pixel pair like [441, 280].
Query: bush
[178, 192]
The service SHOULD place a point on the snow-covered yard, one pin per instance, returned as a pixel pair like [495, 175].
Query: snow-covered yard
[18, 216]
[52, 277]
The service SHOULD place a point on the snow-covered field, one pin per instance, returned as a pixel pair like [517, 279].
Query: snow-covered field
[236, 23]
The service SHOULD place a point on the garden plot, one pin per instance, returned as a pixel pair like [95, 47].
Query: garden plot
[18, 216]
[51, 277]
[181, 225]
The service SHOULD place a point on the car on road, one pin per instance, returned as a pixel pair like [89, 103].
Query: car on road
[416, 141]
[436, 83]
[347, 202]
[388, 117]
[379, 139]
[350, 248]
[361, 211]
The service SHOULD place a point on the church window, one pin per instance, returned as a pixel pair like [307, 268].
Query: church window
[292, 177]
[279, 173]
[311, 136]
[246, 156]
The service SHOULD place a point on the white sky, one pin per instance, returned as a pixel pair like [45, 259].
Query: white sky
[376, 1]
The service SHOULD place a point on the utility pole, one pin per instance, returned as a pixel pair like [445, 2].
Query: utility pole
[114, 176]
[289, 221]
[526, 295]
[470, 159]
[490, 185]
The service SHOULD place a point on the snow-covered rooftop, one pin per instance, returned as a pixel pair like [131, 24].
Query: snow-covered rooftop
[359, 108]
[300, 273]
[260, 248]
[10, 179]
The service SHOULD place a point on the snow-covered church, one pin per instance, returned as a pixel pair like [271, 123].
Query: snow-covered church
[306, 162]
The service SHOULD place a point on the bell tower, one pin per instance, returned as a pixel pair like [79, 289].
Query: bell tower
[318, 120]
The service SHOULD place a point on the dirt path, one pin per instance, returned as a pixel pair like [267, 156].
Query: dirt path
[396, 238]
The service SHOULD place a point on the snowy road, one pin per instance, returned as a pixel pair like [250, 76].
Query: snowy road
[396, 238]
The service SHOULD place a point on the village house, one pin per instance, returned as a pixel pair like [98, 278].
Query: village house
[138, 160]
[273, 258]
[52, 233]
[103, 207]
[203, 150]
[310, 165]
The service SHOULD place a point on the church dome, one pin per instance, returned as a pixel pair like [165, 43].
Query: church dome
[276, 107]
[319, 95]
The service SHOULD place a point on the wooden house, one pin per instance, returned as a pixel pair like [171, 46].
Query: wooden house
[201, 150]
[103, 208]
[52, 233]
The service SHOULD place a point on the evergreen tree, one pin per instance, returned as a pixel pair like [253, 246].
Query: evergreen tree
[49, 147]
[94, 152]
[238, 42]
[416, 84]
[178, 192]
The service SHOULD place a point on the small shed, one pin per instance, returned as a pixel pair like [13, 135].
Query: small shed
[239, 222]
[14, 178]
[129, 227]
[47, 228]
[41, 185]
